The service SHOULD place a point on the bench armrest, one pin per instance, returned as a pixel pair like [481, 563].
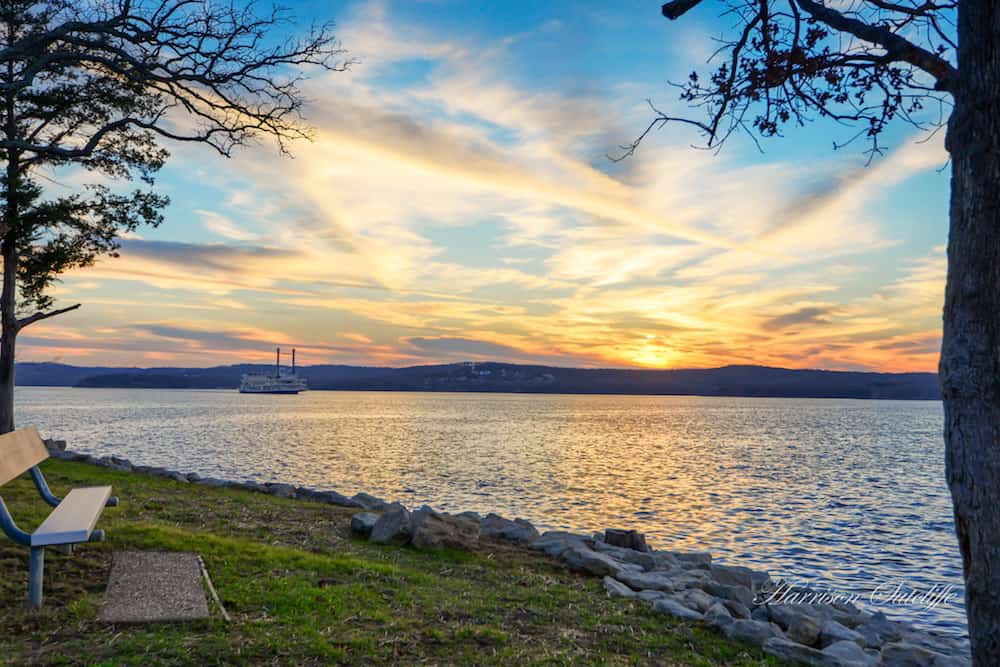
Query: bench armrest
[9, 527]
[43, 488]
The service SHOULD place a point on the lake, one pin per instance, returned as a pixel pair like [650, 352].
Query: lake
[842, 495]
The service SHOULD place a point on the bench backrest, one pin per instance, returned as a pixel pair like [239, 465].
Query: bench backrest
[19, 450]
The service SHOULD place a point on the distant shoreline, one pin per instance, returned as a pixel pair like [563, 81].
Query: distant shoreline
[495, 377]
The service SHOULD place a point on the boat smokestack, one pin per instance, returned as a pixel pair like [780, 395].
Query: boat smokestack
[277, 362]
[293, 361]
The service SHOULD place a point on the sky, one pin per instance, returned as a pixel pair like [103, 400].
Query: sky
[457, 203]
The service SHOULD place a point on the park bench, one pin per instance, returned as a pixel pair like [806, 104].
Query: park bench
[71, 522]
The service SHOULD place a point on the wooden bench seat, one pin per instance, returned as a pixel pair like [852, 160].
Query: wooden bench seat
[71, 522]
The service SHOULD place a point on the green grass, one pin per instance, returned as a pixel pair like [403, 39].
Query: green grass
[302, 591]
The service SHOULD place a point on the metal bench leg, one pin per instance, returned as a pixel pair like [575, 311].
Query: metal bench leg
[35, 573]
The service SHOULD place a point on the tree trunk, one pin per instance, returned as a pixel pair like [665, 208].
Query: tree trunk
[8, 338]
[970, 352]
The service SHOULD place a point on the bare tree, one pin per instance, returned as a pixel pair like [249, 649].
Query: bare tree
[100, 85]
[931, 63]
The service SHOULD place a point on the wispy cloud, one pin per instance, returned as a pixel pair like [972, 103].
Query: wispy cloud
[467, 209]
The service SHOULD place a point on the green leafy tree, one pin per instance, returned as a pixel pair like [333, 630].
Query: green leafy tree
[101, 85]
[868, 63]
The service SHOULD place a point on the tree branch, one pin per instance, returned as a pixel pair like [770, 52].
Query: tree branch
[675, 9]
[39, 316]
[897, 48]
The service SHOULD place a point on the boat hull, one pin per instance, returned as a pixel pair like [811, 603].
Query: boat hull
[269, 391]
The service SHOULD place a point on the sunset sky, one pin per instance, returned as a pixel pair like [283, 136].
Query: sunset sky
[457, 204]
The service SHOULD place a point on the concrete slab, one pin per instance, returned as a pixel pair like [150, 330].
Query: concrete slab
[148, 587]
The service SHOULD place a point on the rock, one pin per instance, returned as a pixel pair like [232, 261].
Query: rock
[644, 560]
[879, 630]
[176, 476]
[436, 531]
[584, 559]
[193, 477]
[697, 599]
[945, 645]
[691, 579]
[804, 630]
[693, 559]
[732, 575]
[651, 596]
[363, 523]
[213, 481]
[741, 594]
[627, 539]
[393, 527]
[792, 652]
[749, 631]
[718, 615]
[615, 587]
[369, 502]
[641, 581]
[902, 654]
[849, 653]
[55, 445]
[671, 607]
[832, 632]
[471, 516]
[517, 530]
[334, 498]
[555, 542]
[738, 609]
[787, 614]
[281, 490]
[250, 485]
[762, 613]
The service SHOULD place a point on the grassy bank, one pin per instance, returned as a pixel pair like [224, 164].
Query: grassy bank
[301, 590]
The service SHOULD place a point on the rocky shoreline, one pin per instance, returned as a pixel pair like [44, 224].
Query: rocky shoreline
[746, 605]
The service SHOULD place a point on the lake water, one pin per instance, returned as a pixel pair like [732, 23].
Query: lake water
[843, 495]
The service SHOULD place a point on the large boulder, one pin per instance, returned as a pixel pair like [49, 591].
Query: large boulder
[644, 560]
[555, 542]
[850, 653]
[642, 581]
[393, 527]
[363, 523]
[787, 615]
[749, 631]
[740, 594]
[369, 502]
[732, 575]
[697, 599]
[281, 490]
[902, 654]
[795, 653]
[718, 616]
[693, 559]
[804, 630]
[832, 632]
[627, 539]
[517, 530]
[435, 531]
[671, 607]
[617, 588]
[651, 595]
[584, 559]
[878, 630]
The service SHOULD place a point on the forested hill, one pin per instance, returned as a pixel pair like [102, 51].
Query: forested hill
[500, 377]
